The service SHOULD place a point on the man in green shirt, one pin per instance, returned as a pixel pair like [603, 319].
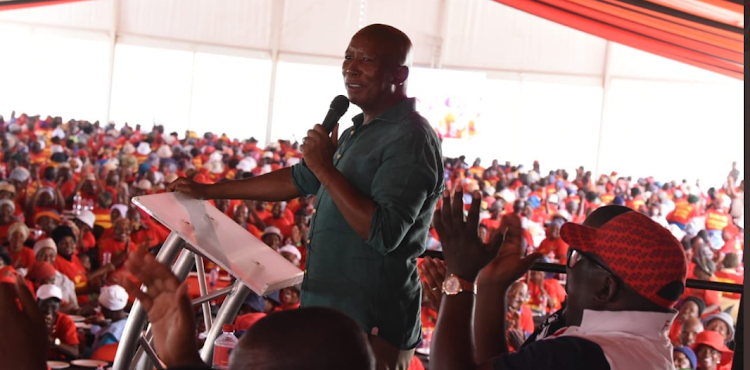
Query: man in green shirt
[376, 186]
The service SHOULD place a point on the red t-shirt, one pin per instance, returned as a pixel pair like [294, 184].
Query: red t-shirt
[556, 249]
[245, 321]
[555, 291]
[26, 257]
[73, 269]
[65, 330]
[282, 223]
[115, 247]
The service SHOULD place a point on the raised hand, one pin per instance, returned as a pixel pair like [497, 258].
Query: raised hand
[508, 266]
[465, 254]
[167, 304]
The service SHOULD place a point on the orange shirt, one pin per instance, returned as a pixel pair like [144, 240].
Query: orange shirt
[717, 220]
[24, 258]
[607, 198]
[636, 203]
[682, 213]
[731, 277]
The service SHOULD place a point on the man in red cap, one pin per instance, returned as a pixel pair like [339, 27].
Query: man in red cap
[625, 273]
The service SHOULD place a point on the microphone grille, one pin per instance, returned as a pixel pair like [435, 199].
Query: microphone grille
[340, 104]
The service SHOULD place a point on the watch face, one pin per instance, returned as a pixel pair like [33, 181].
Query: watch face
[452, 285]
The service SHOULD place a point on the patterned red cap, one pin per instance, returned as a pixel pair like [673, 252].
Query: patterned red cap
[639, 251]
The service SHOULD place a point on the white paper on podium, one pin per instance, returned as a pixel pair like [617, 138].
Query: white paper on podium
[211, 233]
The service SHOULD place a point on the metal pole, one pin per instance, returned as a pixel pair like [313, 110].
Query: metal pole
[227, 313]
[739, 339]
[151, 354]
[213, 295]
[181, 269]
[137, 319]
[202, 286]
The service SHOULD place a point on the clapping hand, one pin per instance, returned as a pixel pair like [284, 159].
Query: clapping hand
[466, 255]
[433, 271]
[167, 304]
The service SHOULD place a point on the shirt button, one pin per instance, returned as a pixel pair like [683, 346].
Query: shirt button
[352, 132]
[308, 241]
[314, 210]
[338, 156]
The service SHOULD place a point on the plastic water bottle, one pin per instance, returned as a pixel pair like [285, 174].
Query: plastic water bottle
[223, 346]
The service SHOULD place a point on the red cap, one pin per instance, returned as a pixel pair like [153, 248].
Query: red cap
[715, 341]
[639, 251]
[229, 328]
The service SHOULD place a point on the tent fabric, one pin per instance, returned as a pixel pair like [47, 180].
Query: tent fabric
[708, 34]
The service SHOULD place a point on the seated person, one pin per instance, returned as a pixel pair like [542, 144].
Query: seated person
[684, 358]
[22, 256]
[691, 307]
[252, 311]
[615, 313]
[291, 253]
[711, 352]
[545, 295]
[289, 298]
[63, 340]
[721, 323]
[272, 237]
[112, 299]
[690, 329]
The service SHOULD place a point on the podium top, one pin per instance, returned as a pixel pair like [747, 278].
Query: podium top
[210, 233]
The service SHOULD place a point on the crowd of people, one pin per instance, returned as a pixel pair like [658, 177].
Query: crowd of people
[68, 226]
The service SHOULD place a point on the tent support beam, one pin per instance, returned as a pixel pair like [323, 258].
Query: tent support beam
[277, 20]
[606, 80]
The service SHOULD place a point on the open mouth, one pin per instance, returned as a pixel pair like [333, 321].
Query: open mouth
[352, 86]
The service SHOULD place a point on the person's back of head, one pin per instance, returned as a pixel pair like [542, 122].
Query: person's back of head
[321, 338]
[731, 260]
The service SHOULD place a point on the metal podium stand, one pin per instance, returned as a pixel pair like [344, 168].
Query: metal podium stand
[199, 230]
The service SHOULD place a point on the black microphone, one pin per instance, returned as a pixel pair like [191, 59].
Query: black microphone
[339, 105]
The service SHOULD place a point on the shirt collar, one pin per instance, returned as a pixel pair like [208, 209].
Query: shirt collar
[396, 113]
[643, 323]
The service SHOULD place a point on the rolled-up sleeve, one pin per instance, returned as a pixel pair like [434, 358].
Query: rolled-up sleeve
[406, 177]
[304, 180]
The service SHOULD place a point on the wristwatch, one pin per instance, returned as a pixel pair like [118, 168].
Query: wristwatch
[453, 285]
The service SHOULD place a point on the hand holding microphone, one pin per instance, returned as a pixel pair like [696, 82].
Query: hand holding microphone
[317, 146]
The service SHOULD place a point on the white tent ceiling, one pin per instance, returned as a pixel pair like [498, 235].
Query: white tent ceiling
[175, 62]
[457, 34]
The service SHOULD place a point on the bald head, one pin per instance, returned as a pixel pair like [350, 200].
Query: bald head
[307, 338]
[398, 44]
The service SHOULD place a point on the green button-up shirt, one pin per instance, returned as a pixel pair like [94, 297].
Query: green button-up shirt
[396, 161]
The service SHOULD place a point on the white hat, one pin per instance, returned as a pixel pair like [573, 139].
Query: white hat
[113, 297]
[9, 203]
[508, 195]
[20, 174]
[247, 164]
[128, 148]
[144, 184]
[44, 243]
[48, 291]
[215, 167]
[164, 151]
[552, 199]
[272, 230]
[144, 148]
[216, 157]
[120, 207]
[291, 249]
[170, 178]
[112, 164]
[726, 201]
[87, 217]
[562, 214]
[56, 149]
[268, 155]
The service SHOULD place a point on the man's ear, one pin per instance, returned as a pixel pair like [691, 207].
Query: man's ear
[607, 289]
[402, 73]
